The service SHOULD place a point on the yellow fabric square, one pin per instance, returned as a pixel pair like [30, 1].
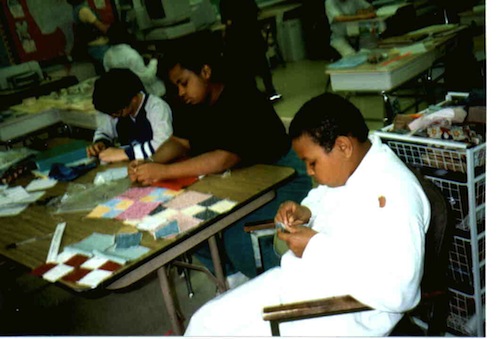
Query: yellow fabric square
[99, 211]
[124, 204]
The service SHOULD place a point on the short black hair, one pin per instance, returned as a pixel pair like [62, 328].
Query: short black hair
[74, 2]
[327, 116]
[115, 89]
[118, 33]
[193, 52]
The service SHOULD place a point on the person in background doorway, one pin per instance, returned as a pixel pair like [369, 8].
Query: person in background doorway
[220, 126]
[361, 232]
[121, 54]
[90, 34]
[244, 46]
[338, 13]
[140, 122]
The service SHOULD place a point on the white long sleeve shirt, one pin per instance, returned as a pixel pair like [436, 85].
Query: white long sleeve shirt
[124, 56]
[335, 8]
[158, 120]
[370, 244]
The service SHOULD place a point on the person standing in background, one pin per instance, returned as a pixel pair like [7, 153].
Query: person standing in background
[338, 13]
[245, 47]
[90, 34]
[121, 54]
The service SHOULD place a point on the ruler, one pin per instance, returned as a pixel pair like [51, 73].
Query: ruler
[56, 243]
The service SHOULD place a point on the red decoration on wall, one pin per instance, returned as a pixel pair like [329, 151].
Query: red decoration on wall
[29, 43]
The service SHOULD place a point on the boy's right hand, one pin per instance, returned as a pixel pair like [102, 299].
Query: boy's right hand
[94, 149]
[292, 214]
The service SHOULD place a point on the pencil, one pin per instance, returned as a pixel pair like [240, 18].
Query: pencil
[27, 241]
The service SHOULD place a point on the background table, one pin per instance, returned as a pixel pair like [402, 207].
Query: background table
[389, 75]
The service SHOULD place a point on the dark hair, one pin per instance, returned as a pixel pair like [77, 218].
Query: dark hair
[192, 53]
[118, 34]
[326, 117]
[74, 2]
[115, 89]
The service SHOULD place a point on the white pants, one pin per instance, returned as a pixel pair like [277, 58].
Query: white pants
[342, 46]
[238, 312]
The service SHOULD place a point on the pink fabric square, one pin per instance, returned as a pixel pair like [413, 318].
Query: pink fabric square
[138, 210]
[135, 193]
[187, 222]
[186, 199]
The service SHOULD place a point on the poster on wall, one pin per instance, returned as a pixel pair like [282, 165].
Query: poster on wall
[15, 9]
[43, 29]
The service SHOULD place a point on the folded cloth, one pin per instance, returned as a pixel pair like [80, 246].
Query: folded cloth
[62, 172]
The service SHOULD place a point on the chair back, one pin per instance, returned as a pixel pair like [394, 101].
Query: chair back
[434, 286]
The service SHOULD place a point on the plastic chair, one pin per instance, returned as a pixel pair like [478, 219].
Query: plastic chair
[433, 307]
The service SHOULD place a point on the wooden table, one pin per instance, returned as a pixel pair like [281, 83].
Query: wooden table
[389, 75]
[250, 187]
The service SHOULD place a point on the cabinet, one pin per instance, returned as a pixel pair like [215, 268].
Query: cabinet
[459, 171]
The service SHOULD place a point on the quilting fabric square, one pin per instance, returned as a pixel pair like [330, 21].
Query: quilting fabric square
[77, 268]
[153, 209]
[133, 204]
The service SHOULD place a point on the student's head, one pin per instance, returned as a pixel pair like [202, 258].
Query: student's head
[330, 135]
[74, 2]
[119, 34]
[116, 92]
[193, 68]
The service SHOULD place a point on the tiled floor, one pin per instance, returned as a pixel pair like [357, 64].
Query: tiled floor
[38, 308]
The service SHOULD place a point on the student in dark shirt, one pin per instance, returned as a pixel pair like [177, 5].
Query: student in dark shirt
[222, 125]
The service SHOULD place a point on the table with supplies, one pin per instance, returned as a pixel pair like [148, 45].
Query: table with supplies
[395, 62]
[214, 202]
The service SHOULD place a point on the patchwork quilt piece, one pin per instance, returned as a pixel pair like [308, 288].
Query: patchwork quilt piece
[92, 260]
[185, 211]
[162, 212]
[135, 203]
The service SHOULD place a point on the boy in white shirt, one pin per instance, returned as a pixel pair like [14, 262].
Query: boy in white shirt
[139, 122]
[360, 232]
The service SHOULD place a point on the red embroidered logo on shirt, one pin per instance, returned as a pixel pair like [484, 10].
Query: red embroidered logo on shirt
[381, 201]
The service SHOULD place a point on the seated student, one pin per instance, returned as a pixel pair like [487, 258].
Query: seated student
[360, 232]
[338, 13]
[140, 122]
[122, 55]
[221, 125]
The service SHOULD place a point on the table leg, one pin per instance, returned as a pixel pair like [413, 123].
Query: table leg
[219, 273]
[169, 299]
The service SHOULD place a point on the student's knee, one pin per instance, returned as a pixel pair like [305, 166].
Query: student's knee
[203, 320]
[342, 46]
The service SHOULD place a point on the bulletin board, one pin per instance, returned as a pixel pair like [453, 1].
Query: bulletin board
[43, 29]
